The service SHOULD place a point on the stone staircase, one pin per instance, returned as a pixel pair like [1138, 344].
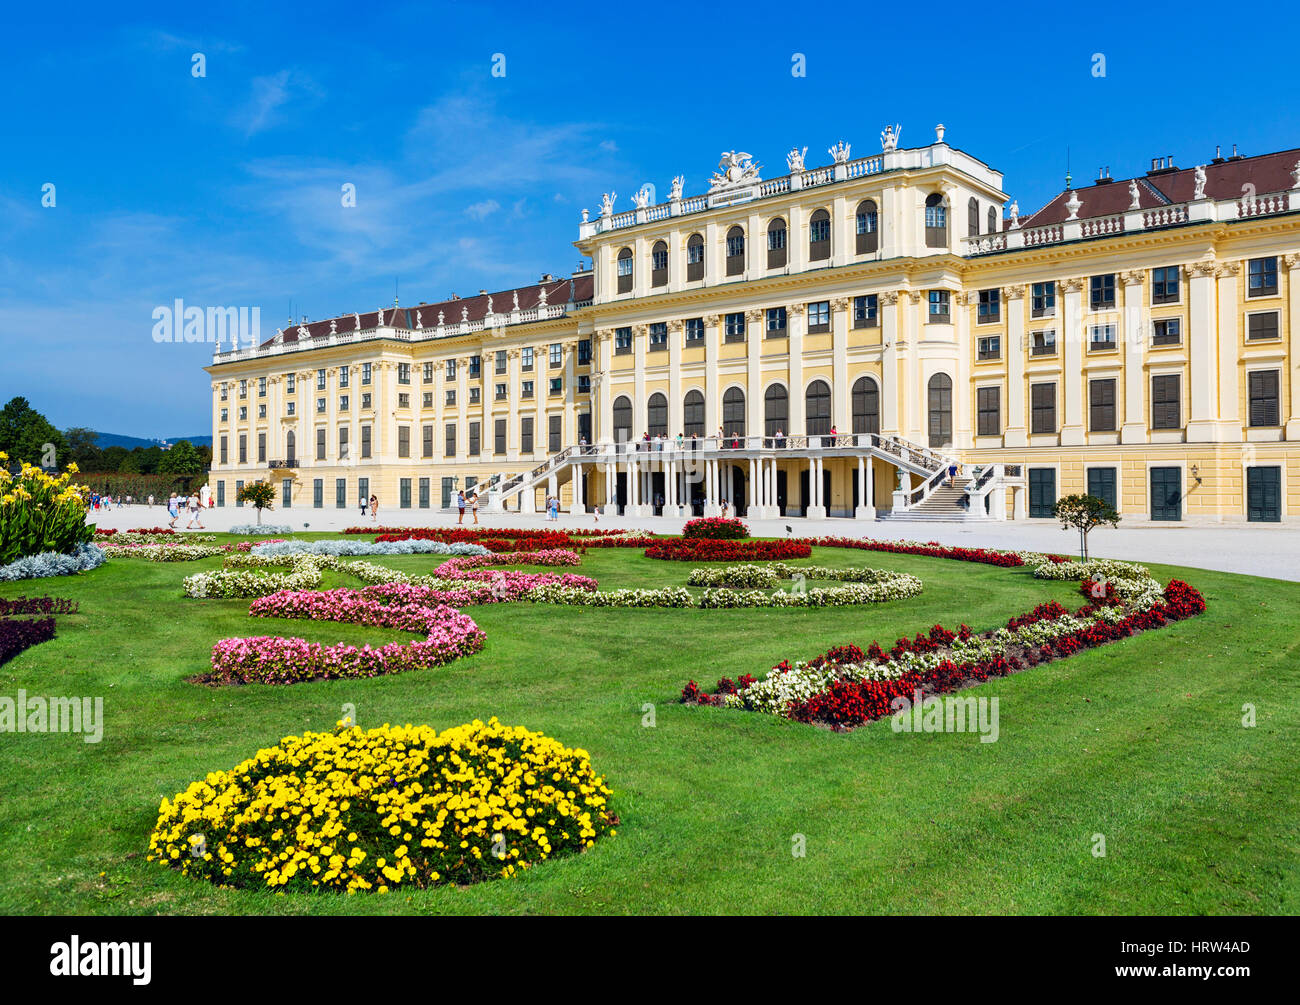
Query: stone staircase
[943, 505]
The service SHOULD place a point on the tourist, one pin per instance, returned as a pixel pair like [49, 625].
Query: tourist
[173, 511]
[363, 504]
[374, 508]
[952, 475]
[555, 508]
[151, 499]
[460, 506]
[474, 506]
[196, 513]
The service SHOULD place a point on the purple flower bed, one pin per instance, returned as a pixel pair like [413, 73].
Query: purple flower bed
[15, 636]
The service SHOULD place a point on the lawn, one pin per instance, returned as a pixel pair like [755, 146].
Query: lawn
[1141, 741]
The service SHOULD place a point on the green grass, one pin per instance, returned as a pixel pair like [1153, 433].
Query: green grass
[1141, 741]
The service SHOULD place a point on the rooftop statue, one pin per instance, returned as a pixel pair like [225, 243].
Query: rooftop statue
[889, 138]
[734, 169]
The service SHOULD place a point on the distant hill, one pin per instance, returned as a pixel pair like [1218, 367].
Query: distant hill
[105, 440]
[198, 441]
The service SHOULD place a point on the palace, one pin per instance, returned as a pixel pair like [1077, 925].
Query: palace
[830, 342]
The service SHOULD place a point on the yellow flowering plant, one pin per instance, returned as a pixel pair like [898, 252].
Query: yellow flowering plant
[41, 512]
[395, 806]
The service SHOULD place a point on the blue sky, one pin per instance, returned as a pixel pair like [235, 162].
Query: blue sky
[225, 189]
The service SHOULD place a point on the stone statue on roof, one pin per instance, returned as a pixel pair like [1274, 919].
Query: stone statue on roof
[489, 306]
[1200, 182]
[379, 322]
[735, 168]
[840, 152]
[1295, 175]
[641, 197]
[441, 315]
[889, 138]
[1135, 195]
[358, 318]
[464, 314]
[794, 159]
[516, 307]
[303, 332]
[334, 326]
[676, 191]
[541, 296]
[607, 203]
[1015, 214]
[419, 324]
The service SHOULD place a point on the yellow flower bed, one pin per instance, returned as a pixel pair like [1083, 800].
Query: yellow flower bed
[40, 512]
[387, 807]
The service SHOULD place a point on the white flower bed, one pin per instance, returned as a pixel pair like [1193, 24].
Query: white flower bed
[337, 548]
[259, 530]
[164, 552]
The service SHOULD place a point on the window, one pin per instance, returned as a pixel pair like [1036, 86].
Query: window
[658, 336]
[426, 441]
[1164, 285]
[1260, 327]
[1263, 494]
[1166, 331]
[622, 341]
[290, 447]
[819, 317]
[776, 411]
[989, 309]
[290, 408]
[659, 264]
[499, 436]
[1261, 277]
[340, 493]
[426, 373]
[694, 329]
[225, 392]
[403, 401]
[776, 322]
[261, 387]
[225, 414]
[622, 419]
[556, 385]
[403, 373]
[365, 442]
[625, 271]
[343, 376]
[1262, 389]
[261, 411]
[526, 358]
[993, 220]
[867, 227]
[990, 347]
[657, 415]
[473, 439]
[320, 444]
[366, 369]
[939, 409]
[221, 493]
[243, 448]
[449, 440]
[526, 435]
[776, 250]
[475, 395]
[320, 380]
[988, 407]
[693, 414]
[239, 504]
[1166, 493]
[451, 369]
[973, 217]
[403, 441]
[526, 389]
[1101, 405]
[475, 367]
[403, 493]
[1101, 291]
[1101, 337]
[866, 406]
[733, 412]
[735, 251]
[451, 396]
[694, 258]
[499, 361]
[1043, 343]
[427, 400]
[500, 392]
[734, 327]
[424, 493]
[940, 306]
[320, 404]
[1042, 301]
[1101, 484]
[225, 452]
[243, 388]
[365, 399]
[866, 311]
[243, 412]
[1166, 401]
[555, 433]
[584, 352]
[936, 222]
[819, 236]
[1042, 408]
[318, 492]
[343, 443]
[343, 402]
[584, 383]
[261, 448]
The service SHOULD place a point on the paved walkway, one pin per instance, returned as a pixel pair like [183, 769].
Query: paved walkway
[1258, 550]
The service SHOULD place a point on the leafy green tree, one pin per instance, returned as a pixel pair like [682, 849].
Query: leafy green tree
[181, 459]
[81, 447]
[260, 494]
[25, 432]
[1084, 512]
[113, 458]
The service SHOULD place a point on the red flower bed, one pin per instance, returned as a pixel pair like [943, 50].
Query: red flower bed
[105, 531]
[151, 530]
[930, 549]
[715, 528]
[705, 550]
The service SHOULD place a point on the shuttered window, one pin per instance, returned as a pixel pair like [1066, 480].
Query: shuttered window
[1101, 406]
[1043, 408]
[1166, 397]
[1263, 389]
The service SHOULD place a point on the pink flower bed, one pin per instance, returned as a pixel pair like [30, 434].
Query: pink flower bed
[489, 588]
[457, 568]
[270, 660]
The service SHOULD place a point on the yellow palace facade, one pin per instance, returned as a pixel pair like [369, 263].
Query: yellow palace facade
[877, 337]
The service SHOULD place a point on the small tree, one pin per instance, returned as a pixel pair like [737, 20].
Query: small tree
[260, 494]
[1084, 512]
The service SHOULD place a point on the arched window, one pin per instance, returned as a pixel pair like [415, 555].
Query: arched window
[733, 412]
[993, 220]
[290, 446]
[776, 411]
[659, 264]
[817, 408]
[735, 251]
[694, 258]
[819, 236]
[936, 222]
[622, 419]
[693, 417]
[973, 217]
[868, 227]
[657, 415]
[625, 271]
[939, 407]
[776, 251]
[866, 406]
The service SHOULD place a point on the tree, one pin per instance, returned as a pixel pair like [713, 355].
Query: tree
[1084, 512]
[25, 434]
[260, 494]
[181, 459]
[82, 448]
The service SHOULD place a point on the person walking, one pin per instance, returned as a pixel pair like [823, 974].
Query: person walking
[151, 500]
[363, 503]
[374, 508]
[173, 511]
[952, 475]
[460, 506]
[474, 506]
[196, 513]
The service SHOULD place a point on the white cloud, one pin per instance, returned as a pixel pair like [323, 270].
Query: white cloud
[269, 94]
[482, 210]
[609, 146]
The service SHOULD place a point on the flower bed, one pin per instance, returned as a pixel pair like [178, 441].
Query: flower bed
[705, 550]
[715, 528]
[23, 633]
[164, 552]
[40, 513]
[417, 808]
[259, 530]
[933, 549]
[406, 547]
[82, 559]
[455, 567]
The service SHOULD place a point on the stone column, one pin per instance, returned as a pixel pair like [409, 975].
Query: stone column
[603, 412]
[1073, 431]
[676, 415]
[712, 397]
[816, 508]
[794, 319]
[1137, 329]
[890, 414]
[753, 373]
[1292, 417]
[1013, 300]
[866, 510]
[1229, 425]
[1203, 390]
[462, 410]
[840, 364]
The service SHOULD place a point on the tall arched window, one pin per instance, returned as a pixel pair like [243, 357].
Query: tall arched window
[819, 236]
[694, 258]
[866, 406]
[776, 251]
[973, 217]
[936, 222]
[939, 407]
[733, 412]
[735, 251]
[290, 446]
[868, 227]
[659, 264]
[657, 415]
[776, 410]
[817, 408]
[622, 419]
[693, 414]
[993, 219]
[625, 271]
